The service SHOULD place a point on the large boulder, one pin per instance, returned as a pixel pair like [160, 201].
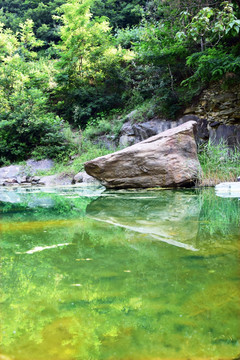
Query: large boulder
[168, 159]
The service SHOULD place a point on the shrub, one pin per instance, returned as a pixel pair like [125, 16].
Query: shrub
[38, 137]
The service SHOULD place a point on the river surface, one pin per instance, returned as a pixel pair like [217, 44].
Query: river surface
[94, 275]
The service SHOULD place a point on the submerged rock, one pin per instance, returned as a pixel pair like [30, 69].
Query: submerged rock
[168, 159]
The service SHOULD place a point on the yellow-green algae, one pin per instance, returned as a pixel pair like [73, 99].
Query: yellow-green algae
[104, 278]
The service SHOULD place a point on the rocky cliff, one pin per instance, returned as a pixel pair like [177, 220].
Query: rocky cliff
[217, 113]
[221, 110]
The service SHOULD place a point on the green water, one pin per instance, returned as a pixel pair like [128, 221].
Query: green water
[90, 275]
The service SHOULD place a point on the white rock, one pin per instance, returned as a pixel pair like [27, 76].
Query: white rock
[228, 189]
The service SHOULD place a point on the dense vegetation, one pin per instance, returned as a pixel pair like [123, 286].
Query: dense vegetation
[72, 62]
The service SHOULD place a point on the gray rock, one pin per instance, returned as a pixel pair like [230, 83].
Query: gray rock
[134, 133]
[229, 134]
[83, 177]
[38, 165]
[36, 179]
[23, 174]
[78, 178]
[105, 140]
[168, 159]
[10, 172]
[11, 181]
[126, 140]
[145, 130]
[127, 129]
[57, 179]
[131, 116]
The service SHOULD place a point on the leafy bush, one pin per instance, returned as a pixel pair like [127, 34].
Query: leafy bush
[211, 65]
[35, 137]
[27, 127]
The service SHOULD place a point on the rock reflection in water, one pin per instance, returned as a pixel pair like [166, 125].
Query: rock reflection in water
[170, 217]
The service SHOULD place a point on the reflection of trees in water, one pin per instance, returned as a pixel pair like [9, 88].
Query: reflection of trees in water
[132, 289]
[219, 219]
[189, 217]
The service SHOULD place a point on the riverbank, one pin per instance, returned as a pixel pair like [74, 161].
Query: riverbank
[219, 164]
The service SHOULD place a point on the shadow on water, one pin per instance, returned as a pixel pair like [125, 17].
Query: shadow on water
[93, 275]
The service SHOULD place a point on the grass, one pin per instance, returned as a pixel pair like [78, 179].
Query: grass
[104, 124]
[85, 152]
[219, 164]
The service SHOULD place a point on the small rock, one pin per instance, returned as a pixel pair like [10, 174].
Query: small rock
[78, 178]
[83, 177]
[57, 179]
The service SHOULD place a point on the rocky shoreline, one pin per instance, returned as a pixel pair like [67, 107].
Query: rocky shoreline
[27, 175]
[158, 155]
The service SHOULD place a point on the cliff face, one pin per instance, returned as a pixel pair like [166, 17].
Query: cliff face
[217, 113]
[221, 110]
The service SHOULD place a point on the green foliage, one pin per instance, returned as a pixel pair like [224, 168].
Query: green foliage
[210, 25]
[175, 46]
[87, 150]
[104, 123]
[120, 13]
[15, 12]
[27, 128]
[37, 137]
[211, 65]
[154, 56]
[90, 72]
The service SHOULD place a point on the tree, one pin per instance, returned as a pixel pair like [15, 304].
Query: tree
[121, 14]
[209, 25]
[90, 71]
[15, 12]
[27, 127]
